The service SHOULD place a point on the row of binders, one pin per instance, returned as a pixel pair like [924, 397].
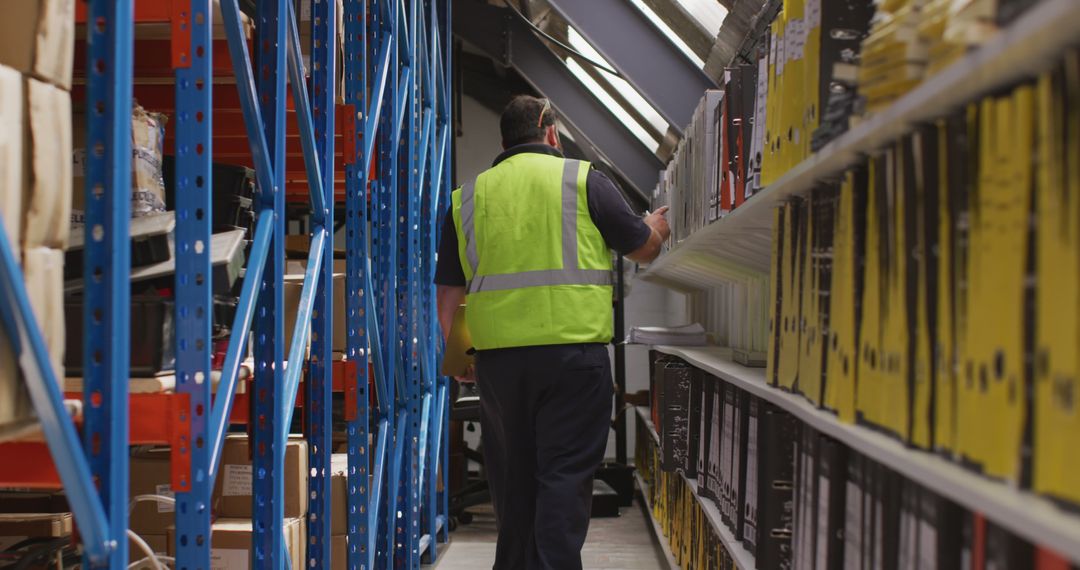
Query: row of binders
[736, 311]
[766, 113]
[818, 67]
[932, 292]
[792, 497]
[682, 516]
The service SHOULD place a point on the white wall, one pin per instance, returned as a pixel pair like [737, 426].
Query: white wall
[480, 141]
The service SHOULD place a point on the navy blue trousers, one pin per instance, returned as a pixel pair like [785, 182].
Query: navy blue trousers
[545, 412]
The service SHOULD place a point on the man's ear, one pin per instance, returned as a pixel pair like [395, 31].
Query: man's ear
[551, 136]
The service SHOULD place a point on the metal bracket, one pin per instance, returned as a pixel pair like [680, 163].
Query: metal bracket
[180, 23]
[352, 391]
[180, 442]
[347, 124]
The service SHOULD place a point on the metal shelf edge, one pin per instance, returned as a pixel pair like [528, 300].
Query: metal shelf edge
[669, 556]
[743, 559]
[1023, 513]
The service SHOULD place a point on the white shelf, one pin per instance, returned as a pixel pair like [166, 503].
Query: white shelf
[1021, 512]
[657, 531]
[743, 559]
[1023, 50]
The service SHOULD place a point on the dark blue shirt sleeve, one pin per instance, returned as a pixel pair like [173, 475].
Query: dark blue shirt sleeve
[448, 269]
[622, 229]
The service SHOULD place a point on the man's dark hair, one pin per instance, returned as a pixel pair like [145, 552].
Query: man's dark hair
[521, 121]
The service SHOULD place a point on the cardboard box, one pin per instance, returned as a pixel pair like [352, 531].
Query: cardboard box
[36, 524]
[43, 271]
[232, 492]
[32, 502]
[339, 493]
[37, 37]
[304, 9]
[12, 109]
[15, 405]
[339, 550]
[294, 285]
[47, 166]
[230, 541]
[151, 474]
[159, 543]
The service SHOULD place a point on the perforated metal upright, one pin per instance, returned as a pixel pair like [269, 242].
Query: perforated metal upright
[191, 481]
[391, 193]
[94, 474]
[107, 308]
[355, 119]
[317, 397]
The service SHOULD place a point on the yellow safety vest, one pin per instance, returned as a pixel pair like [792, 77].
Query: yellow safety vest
[538, 271]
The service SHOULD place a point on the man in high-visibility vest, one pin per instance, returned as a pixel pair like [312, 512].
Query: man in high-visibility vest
[528, 246]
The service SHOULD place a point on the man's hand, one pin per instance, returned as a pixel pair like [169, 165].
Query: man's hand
[658, 222]
[469, 377]
[660, 232]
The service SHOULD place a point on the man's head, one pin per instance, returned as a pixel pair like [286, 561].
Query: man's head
[527, 119]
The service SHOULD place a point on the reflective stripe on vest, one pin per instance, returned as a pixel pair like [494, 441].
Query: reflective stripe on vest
[570, 274]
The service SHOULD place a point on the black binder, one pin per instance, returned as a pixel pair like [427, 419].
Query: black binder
[831, 505]
[778, 431]
[675, 416]
[749, 517]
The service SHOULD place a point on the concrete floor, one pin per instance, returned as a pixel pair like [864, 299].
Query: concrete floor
[622, 543]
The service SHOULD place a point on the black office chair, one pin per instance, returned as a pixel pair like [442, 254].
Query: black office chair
[466, 408]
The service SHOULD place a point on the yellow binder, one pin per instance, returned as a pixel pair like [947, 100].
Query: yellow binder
[459, 347]
[811, 363]
[1057, 332]
[868, 392]
[926, 197]
[788, 370]
[950, 163]
[894, 403]
[991, 421]
[776, 288]
[842, 362]
[770, 166]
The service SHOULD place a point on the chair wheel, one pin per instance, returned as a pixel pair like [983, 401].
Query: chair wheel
[465, 518]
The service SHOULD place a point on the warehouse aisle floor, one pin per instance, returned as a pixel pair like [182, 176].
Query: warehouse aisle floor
[622, 543]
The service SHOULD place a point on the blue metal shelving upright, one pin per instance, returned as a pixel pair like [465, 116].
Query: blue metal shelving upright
[194, 187]
[395, 145]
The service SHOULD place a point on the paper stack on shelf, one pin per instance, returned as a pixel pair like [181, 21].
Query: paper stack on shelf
[686, 335]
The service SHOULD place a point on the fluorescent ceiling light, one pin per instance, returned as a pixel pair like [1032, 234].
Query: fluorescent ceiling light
[632, 96]
[671, 35]
[612, 105]
[709, 13]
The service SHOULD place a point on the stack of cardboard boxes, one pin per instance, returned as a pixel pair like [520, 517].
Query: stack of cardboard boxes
[231, 535]
[339, 522]
[33, 517]
[36, 52]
